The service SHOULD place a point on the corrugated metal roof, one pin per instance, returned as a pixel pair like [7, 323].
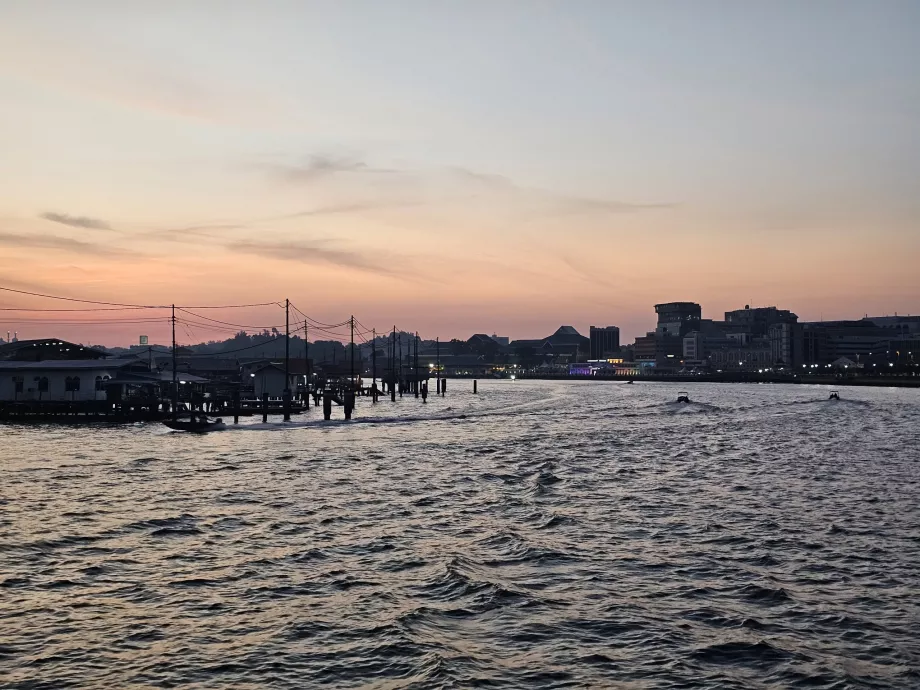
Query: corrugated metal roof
[65, 364]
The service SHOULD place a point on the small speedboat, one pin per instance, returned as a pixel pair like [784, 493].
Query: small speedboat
[834, 396]
[683, 397]
[198, 426]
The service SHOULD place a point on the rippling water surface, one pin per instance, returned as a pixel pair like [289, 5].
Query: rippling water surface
[539, 534]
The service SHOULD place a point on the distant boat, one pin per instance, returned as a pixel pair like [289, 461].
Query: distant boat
[834, 396]
[198, 426]
[630, 381]
[682, 397]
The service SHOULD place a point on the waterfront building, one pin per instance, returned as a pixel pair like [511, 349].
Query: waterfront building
[757, 321]
[645, 347]
[678, 318]
[903, 324]
[786, 344]
[605, 340]
[565, 345]
[269, 379]
[757, 355]
[71, 380]
[694, 347]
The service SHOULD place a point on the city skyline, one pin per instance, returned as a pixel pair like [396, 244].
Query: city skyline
[461, 168]
[195, 329]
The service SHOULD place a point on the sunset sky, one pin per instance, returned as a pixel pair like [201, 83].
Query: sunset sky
[458, 167]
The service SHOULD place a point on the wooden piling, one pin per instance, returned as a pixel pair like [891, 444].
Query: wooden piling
[474, 387]
[349, 403]
[327, 406]
[286, 404]
[236, 406]
[264, 408]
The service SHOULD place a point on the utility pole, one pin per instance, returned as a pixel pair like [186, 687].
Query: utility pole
[393, 366]
[175, 383]
[400, 366]
[438, 360]
[287, 360]
[418, 384]
[374, 363]
[306, 363]
[352, 367]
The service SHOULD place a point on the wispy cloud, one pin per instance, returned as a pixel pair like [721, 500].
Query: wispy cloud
[314, 253]
[192, 234]
[76, 221]
[66, 244]
[343, 209]
[550, 203]
[318, 167]
[572, 205]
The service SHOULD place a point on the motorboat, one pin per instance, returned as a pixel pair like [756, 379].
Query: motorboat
[683, 397]
[834, 396]
[197, 425]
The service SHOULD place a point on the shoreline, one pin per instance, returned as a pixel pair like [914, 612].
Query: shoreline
[872, 382]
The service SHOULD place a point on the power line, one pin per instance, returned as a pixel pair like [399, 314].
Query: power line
[136, 306]
[228, 306]
[225, 323]
[74, 310]
[83, 301]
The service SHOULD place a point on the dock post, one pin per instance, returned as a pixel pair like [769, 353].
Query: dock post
[236, 406]
[443, 386]
[392, 392]
[474, 387]
[425, 392]
[286, 404]
[264, 408]
[327, 406]
[349, 403]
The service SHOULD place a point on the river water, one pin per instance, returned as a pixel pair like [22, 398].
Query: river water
[539, 534]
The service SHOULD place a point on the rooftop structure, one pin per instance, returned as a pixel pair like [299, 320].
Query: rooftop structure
[678, 318]
[48, 348]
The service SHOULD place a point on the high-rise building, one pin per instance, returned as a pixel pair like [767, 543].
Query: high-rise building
[694, 347]
[678, 318]
[786, 344]
[757, 321]
[605, 340]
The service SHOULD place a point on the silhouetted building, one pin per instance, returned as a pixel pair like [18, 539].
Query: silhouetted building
[47, 348]
[814, 344]
[566, 343]
[786, 345]
[644, 348]
[605, 340]
[757, 321]
[903, 324]
[678, 318]
[756, 355]
[694, 347]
